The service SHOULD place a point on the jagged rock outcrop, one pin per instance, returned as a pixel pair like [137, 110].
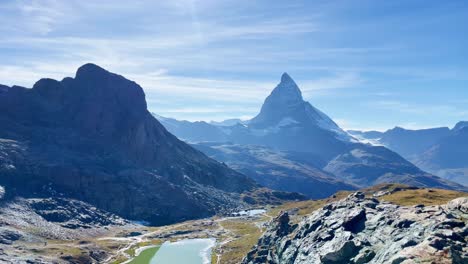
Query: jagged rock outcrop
[73, 214]
[362, 230]
[8, 236]
[35, 219]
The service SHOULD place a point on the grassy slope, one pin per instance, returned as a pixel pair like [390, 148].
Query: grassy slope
[145, 256]
[422, 196]
[306, 207]
[246, 234]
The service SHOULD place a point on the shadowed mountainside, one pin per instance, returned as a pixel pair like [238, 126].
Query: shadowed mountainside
[92, 138]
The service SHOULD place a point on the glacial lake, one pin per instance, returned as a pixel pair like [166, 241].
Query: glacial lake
[252, 212]
[188, 251]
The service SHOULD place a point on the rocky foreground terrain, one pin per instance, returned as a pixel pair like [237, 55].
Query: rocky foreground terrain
[365, 230]
[44, 230]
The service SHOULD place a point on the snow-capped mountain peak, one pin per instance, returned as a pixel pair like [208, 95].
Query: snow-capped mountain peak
[286, 103]
[286, 91]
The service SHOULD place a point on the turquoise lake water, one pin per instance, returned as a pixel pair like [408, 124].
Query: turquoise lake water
[252, 212]
[189, 251]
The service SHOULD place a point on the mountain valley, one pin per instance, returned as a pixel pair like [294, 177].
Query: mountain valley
[89, 175]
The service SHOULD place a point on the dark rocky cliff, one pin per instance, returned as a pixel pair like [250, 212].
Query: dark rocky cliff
[92, 138]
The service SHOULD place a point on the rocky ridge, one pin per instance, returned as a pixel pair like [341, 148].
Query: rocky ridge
[52, 218]
[363, 230]
[31, 230]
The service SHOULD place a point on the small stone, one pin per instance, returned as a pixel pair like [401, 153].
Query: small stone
[364, 256]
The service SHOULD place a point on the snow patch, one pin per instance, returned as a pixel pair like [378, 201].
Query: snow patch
[140, 222]
[287, 121]
[324, 122]
[373, 142]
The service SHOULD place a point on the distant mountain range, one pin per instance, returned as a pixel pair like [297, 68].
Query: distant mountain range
[279, 170]
[91, 138]
[291, 145]
[442, 151]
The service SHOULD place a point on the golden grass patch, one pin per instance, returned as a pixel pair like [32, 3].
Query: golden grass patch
[246, 235]
[422, 196]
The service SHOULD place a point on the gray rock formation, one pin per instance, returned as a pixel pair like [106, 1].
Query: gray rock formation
[8, 236]
[361, 230]
[29, 224]
[52, 218]
[73, 214]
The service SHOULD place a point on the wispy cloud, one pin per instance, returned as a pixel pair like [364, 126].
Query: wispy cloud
[353, 125]
[233, 52]
[326, 85]
[204, 88]
[418, 109]
[38, 17]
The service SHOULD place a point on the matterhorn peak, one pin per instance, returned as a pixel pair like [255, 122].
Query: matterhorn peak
[287, 90]
[286, 78]
[285, 105]
[281, 103]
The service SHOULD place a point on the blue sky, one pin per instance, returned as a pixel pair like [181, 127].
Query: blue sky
[368, 64]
